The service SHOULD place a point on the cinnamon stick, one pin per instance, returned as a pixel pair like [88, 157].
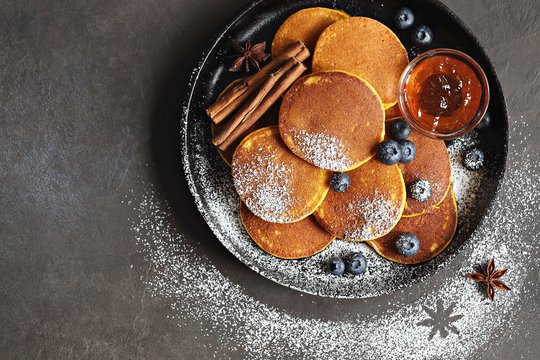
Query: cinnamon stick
[247, 108]
[285, 81]
[251, 105]
[231, 99]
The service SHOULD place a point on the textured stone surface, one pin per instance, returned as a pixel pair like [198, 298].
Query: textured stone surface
[90, 95]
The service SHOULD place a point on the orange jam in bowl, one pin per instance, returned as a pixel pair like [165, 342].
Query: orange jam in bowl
[443, 94]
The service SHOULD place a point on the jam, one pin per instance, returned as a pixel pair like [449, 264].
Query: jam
[440, 95]
[444, 94]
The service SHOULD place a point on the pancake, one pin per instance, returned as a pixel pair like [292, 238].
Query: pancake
[435, 229]
[286, 241]
[367, 48]
[276, 185]
[393, 113]
[305, 25]
[332, 119]
[370, 207]
[431, 163]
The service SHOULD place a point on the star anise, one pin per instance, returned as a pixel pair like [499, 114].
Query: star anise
[491, 277]
[249, 56]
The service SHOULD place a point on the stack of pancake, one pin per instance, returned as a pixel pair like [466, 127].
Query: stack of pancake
[331, 120]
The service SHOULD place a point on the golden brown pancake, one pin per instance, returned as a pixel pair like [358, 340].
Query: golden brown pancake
[431, 163]
[393, 113]
[367, 48]
[305, 25]
[332, 119]
[276, 185]
[286, 241]
[370, 207]
[435, 229]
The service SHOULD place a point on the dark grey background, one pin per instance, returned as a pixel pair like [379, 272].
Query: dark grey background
[91, 97]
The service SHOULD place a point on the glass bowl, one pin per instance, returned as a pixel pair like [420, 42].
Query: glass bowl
[473, 100]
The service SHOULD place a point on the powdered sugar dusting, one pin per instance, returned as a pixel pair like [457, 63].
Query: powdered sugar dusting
[466, 182]
[215, 195]
[378, 214]
[264, 185]
[234, 319]
[322, 150]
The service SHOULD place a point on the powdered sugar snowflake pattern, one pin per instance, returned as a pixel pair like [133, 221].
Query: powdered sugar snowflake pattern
[440, 320]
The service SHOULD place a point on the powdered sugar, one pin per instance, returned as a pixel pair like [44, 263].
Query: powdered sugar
[216, 198]
[466, 182]
[378, 215]
[264, 185]
[234, 319]
[322, 150]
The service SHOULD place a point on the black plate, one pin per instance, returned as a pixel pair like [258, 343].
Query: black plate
[210, 180]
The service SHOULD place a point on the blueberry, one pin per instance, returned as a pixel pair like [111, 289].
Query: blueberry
[336, 266]
[408, 151]
[485, 122]
[400, 130]
[340, 182]
[420, 190]
[389, 152]
[408, 244]
[423, 36]
[404, 18]
[357, 264]
[473, 159]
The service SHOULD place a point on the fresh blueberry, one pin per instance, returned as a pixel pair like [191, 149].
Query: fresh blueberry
[357, 264]
[408, 244]
[336, 266]
[473, 159]
[423, 36]
[404, 18]
[389, 152]
[400, 130]
[408, 151]
[340, 182]
[485, 122]
[421, 190]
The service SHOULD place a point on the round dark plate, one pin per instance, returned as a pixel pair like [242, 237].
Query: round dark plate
[210, 180]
